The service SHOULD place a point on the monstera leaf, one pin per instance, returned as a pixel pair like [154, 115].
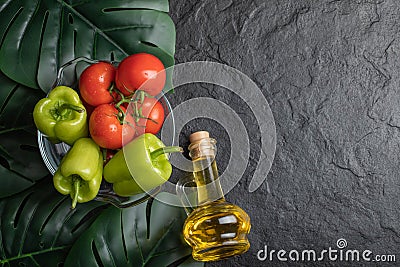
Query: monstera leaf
[146, 235]
[38, 36]
[20, 162]
[38, 227]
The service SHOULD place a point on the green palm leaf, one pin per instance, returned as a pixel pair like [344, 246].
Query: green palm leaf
[38, 227]
[149, 234]
[38, 36]
[20, 162]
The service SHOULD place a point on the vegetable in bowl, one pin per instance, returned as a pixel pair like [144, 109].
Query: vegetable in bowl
[147, 116]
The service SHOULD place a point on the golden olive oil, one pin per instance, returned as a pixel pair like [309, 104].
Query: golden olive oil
[216, 229]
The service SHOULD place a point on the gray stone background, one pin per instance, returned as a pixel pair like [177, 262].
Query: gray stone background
[330, 72]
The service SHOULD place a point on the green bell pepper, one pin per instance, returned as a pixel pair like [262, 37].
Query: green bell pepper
[139, 166]
[61, 116]
[80, 171]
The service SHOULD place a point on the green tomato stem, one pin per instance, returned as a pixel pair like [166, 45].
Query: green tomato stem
[137, 112]
[123, 100]
[142, 96]
[163, 150]
[112, 88]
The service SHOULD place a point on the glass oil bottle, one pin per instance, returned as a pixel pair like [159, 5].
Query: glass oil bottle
[215, 229]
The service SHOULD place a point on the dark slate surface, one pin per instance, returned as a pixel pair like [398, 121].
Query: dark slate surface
[330, 72]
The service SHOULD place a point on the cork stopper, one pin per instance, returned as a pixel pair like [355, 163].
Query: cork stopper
[201, 145]
[197, 136]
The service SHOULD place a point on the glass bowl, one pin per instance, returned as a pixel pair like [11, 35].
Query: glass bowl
[52, 154]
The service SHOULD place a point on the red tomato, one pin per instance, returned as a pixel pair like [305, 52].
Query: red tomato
[143, 71]
[154, 112]
[95, 82]
[106, 130]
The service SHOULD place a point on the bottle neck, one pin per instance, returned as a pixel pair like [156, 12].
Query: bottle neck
[206, 171]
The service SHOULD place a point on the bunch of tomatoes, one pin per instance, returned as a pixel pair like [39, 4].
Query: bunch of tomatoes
[121, 101]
